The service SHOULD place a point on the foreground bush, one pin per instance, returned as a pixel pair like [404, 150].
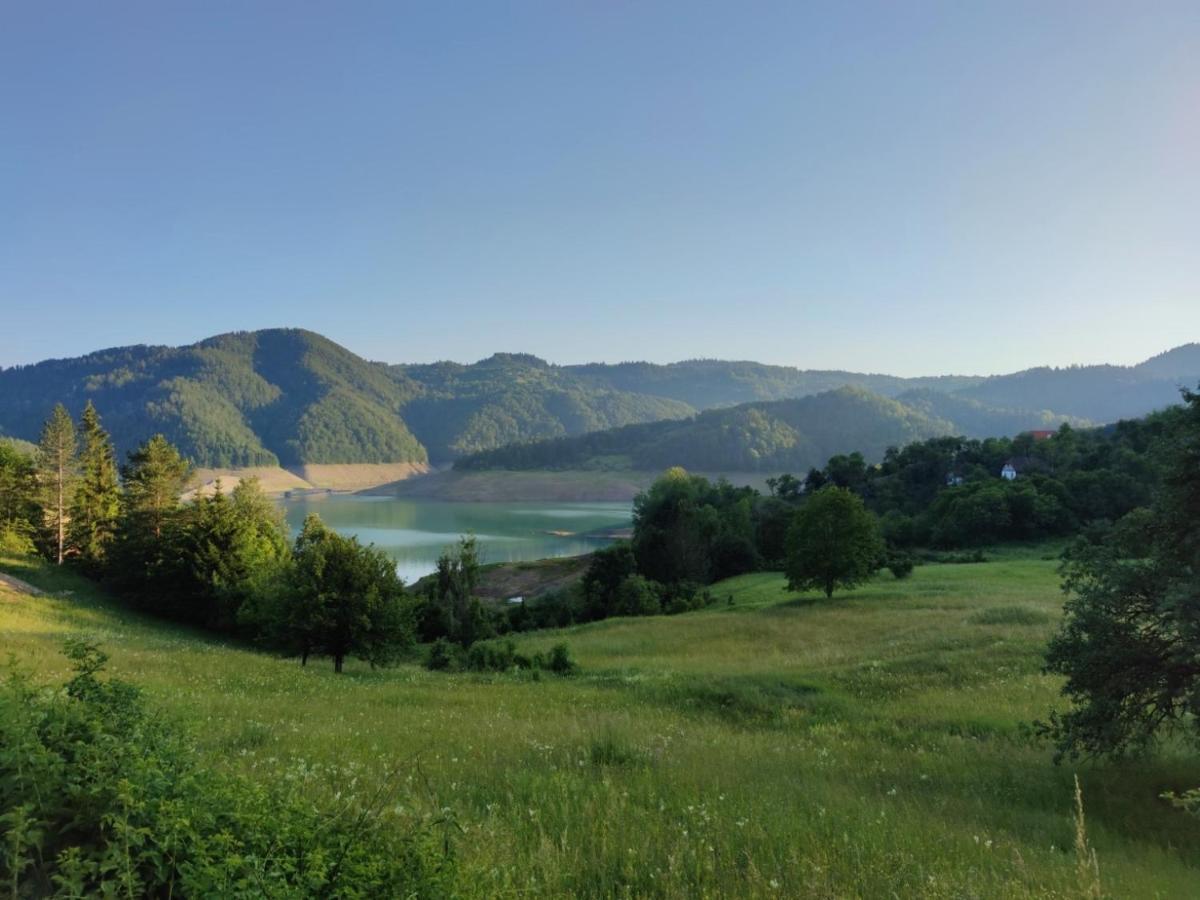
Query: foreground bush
[101, 797]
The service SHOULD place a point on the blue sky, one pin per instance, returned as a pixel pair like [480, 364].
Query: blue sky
[902, 187]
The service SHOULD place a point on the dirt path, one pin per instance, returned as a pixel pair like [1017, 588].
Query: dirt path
[21, 587]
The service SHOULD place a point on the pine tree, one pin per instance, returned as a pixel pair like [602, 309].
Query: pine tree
[154, 479]
[148, 563]
[97, 498]
[57, 469]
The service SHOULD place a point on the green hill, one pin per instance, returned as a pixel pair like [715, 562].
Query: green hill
[291, 397]
[1099, 393]
[707, 383]
[281, 396]
[515, 397]
[774, 436]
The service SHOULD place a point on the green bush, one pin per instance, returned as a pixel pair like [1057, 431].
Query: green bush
[101, 797]
[900, 564]
[444, 655]
[560, 661]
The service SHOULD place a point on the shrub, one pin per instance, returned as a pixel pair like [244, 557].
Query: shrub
[444, 655]
[496, 656]
[560, 662]
[900, 564]
[637, 596]
[15, 542]
[101, 797]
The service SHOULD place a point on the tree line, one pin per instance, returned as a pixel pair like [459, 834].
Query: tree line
[222, 561]
[838, 524]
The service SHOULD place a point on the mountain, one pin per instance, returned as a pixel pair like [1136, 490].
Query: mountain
[707, 383]
[516, 397]
[1180, 364]
[1099, 393]
[291, 397]
[264, 398]
[972, 418]
[772, 436]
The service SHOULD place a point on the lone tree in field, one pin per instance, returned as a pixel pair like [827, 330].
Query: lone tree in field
[97, 500]
[1130, 642]
[833, 542]
[342, 599]
[57, 468]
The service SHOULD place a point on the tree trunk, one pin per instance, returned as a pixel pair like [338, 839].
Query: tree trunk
[337, 663]
[61, 537]
[828, 588]
[304, 658]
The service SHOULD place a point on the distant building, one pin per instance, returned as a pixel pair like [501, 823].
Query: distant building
[1009, 472]
[1041, 435]
[954, 479]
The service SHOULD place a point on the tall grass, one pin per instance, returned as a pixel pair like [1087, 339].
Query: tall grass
[871, 746]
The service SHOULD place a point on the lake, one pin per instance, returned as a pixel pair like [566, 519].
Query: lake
[416, 532]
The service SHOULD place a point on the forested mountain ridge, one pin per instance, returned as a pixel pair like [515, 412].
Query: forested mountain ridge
[291, 397]
[778, 435]
[512, 397]
[282, 396]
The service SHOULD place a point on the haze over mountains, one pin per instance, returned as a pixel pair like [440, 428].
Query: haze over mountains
[291, 397]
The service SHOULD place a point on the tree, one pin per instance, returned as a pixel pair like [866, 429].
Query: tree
[609, 567]
[833, 542]
[56, 474]
[97, 500]
[452, 608]
[235, 547]
[154, 479]
[148, 553]
[18, 504]
[1130, 640]
[342, 599]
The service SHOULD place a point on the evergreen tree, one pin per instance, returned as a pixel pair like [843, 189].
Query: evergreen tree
[154, 479]
[148, 552]
[97, 499]
[57, 468]
[833, 542]
[235, 547]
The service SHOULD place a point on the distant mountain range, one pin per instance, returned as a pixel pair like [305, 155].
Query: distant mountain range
[291, 397]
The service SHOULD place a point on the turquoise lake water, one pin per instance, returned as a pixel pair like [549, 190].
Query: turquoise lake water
[416, 532]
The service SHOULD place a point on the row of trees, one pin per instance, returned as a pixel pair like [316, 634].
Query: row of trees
[222, 561]
[838, 524]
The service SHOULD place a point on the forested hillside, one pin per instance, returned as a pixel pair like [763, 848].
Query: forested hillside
[271, 397]
[1100, 393]
[775, 436]
[291, 397]
[516, 397]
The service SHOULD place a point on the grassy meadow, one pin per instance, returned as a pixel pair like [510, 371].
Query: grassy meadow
[875, 745]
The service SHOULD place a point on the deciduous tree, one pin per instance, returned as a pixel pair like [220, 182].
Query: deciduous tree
[833, 542]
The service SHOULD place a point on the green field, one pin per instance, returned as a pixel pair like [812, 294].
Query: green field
[772, 745]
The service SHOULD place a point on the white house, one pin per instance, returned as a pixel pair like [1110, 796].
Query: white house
[1009, 472]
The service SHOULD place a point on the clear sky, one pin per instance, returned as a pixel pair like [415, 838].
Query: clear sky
[905, 187]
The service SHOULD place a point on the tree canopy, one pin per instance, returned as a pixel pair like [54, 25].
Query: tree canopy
[833, 542]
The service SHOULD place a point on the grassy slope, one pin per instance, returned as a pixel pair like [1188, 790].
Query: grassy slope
[871, 746]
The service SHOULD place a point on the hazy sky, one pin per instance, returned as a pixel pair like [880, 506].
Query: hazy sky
[907, 187]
